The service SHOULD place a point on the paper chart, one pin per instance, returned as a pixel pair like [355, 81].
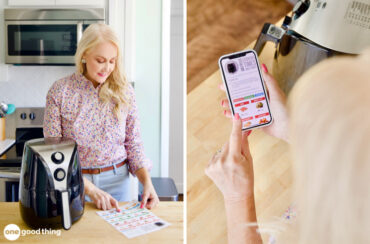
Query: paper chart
[133, 221]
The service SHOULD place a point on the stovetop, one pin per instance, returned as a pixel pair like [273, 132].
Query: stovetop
[28, 122]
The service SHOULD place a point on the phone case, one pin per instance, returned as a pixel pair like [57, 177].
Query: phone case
[263, 85]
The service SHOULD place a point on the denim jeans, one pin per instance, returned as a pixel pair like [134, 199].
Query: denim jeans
[116, 182]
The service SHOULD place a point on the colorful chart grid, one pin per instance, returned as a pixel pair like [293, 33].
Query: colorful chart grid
[133, 221]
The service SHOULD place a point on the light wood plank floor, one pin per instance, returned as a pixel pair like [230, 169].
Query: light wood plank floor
[218, 27]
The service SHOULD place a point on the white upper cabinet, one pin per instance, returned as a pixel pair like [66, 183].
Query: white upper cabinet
[30, 3]
[100, 3]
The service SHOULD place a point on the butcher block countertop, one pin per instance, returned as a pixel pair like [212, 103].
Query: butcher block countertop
[207, 131]
[91, 228]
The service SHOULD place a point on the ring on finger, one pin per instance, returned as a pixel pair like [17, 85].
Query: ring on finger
[217, 152]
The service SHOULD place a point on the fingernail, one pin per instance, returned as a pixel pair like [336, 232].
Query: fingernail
[249, 132]
[236, 117]
[222, 103]
[224, 112]
[264, 68]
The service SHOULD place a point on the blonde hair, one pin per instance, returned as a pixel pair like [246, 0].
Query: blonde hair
[113, 89]
[330, 136]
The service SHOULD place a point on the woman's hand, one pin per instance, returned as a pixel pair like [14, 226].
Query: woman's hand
[149, 198]
[277, 99]
[232, 169]
[232, 172]
[101, 199]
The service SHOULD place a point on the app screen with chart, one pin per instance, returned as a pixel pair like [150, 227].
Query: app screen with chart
[244, 85]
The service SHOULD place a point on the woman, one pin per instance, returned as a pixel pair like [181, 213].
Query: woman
[96, 107]
[329, 135]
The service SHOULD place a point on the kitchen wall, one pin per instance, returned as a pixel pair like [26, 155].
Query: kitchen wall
[25, 86]
[148, 76]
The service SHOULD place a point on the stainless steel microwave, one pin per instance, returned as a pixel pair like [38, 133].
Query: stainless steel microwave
[46, 36]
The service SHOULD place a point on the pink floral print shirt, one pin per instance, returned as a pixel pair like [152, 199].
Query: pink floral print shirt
[73, 110]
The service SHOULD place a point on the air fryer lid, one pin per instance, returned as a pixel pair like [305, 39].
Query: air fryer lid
[56, 154]
[338, 25]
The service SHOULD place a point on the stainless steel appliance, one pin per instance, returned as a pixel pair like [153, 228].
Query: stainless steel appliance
[51, 189]
[27, 124]
[317, 29]
[46, 36]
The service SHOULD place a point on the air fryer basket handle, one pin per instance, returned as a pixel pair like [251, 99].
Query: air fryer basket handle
[269, 32]
[66, 215]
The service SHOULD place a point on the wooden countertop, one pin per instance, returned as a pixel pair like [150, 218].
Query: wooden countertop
[93, 229]
[207, 131]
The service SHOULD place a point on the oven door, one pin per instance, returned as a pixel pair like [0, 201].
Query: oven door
[41, 42]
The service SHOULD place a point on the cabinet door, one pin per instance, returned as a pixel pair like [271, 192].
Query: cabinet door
[100, 3]
[30, 3]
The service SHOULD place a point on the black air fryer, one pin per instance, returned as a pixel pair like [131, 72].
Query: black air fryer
[51, 189]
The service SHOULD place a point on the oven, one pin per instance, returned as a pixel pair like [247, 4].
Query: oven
[28, 125]
[46, 36]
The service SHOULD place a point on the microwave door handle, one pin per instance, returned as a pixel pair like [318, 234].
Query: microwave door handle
[79, 31]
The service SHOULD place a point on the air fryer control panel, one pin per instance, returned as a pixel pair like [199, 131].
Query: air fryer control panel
[59, 174]
[57, 156]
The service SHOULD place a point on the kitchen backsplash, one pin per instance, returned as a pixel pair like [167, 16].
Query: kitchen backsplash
[27, 86]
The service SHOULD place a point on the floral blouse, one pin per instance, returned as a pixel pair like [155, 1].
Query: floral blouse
[73, 110]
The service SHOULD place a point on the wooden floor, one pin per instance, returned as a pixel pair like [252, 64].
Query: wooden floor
[218, 27]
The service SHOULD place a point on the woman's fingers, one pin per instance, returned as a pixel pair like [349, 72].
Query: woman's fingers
[221, 152]
[144, 200]
[114, 204]
[153, 201]
[225, 103]
[228, 113]
[221, 86]
[236, 136]
[245, 143]
[104, 200]
[272, 85]
[107, 202]
[103, 205]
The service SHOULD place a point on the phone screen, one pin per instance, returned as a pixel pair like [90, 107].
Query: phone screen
[245, 88]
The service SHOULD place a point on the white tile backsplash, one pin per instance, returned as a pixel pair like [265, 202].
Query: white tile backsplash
[27, 86]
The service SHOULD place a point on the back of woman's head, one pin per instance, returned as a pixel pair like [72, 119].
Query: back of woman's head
[330, 136]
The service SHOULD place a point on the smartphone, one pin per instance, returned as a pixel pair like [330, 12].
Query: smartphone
[245, 88]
